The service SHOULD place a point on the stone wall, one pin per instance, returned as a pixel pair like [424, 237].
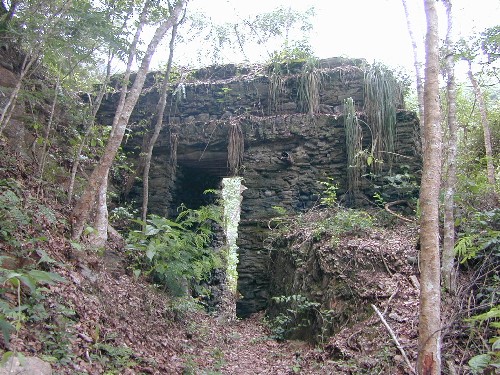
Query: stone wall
[286, 153]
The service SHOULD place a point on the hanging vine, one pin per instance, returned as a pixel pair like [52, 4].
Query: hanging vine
[235, 147]
[382, 96]
[353, 139]
[276, 87]
[310, 81]
[174, 141]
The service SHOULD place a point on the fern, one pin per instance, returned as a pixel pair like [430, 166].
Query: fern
[176, 252]
[469, 247]
[491, 359]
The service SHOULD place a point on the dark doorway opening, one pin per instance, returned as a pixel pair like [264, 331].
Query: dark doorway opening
[191, 184]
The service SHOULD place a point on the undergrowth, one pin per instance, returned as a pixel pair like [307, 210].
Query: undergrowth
[176, 254]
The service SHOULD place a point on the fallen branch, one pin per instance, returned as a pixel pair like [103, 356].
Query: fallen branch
[394, 338]
[390, 204]
[390, 299]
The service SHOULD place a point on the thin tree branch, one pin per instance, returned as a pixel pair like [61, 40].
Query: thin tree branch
[395, 339]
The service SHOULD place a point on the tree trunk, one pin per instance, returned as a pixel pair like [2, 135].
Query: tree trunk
[95, 108]
[99, 236]
[448, 272]
[429, 335]
[84, 205]
[48, 130]
[416, 63]
[490, 168]
[7, 111]
[160, 109]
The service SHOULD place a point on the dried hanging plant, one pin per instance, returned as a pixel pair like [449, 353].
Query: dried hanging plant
[174, 141]
[382, 96]
[235, 147]
[276, 87]
[353, 139]
[310, 81]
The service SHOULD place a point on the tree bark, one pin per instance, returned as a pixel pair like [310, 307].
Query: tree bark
[490, 168]
[7, 111]
[94, 107]
[48, 130]
[448, 271]
[429, 338]
[416, 63]
[160, 109]
[122, 116]
[84, 206]
[99, 236]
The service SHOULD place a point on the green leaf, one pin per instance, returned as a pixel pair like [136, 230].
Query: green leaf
[151, 230]
[494, 312]
[29, 281]
[88, 230]
[6, 329]
[150, 253]
[47, 277]
[479, 362]
[13, 279]
[49, 358]
[136, 273]
[76, 245]
[22, 358]
[44, 257]
[496, 343]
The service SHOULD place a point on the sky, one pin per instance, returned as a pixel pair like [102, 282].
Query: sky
[372, 29]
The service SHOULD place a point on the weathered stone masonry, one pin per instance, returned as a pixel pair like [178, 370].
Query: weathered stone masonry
[286, 153]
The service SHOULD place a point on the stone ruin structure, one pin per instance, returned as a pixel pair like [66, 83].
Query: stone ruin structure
[282, 137]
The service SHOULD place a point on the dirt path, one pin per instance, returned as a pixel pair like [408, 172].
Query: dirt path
[241, 347]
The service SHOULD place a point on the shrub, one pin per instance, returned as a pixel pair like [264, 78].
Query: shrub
[176, 252]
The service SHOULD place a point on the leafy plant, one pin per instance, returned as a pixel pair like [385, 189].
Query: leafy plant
[177, 252]
[58, 336]
[12, 214]
[491, 359]
[13, 310]
[296, 313]
[330, 192]
[114, 358]
[123, 216]
[469, 247]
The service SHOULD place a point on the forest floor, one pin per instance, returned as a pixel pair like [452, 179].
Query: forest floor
[104, 321]
[125, 326]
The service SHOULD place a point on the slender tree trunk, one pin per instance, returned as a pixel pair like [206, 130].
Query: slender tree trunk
[99, 236]
[102, 91]
[139, 168]
[122, 116]
[160, 110]
[429, 337]
[29, 60]
[418, 79]
[448, 272]
[84, 206]
[417, 64]
[43, 157]
[95, 107]
[490, 168]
